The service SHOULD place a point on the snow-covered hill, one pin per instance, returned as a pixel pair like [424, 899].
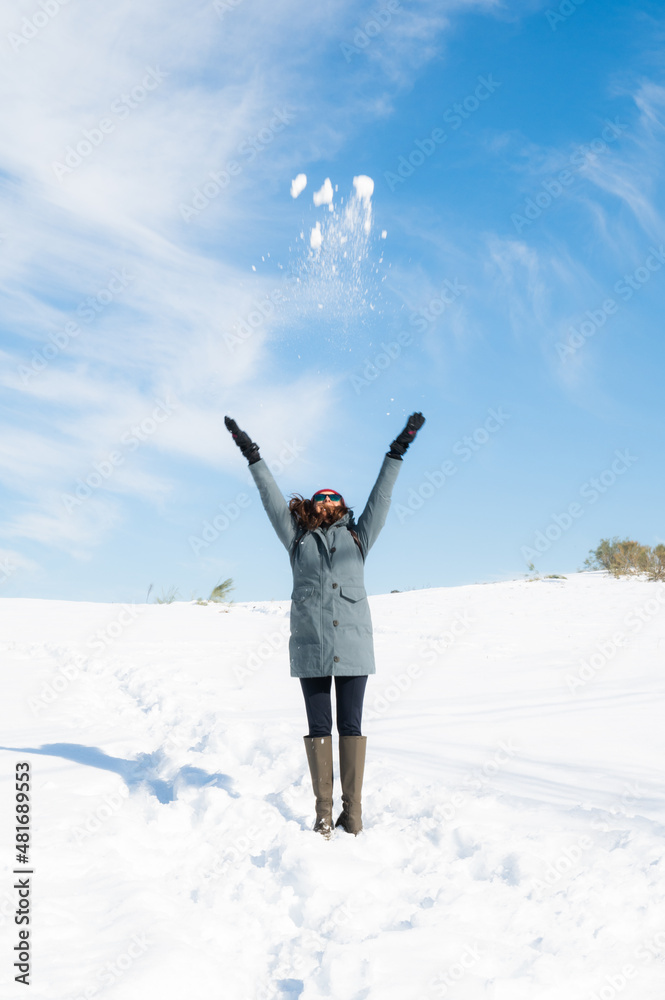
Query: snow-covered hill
[513, 801]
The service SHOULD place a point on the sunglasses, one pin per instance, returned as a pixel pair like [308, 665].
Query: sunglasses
[321, 497]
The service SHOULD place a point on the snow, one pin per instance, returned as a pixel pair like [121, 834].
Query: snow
[298, 185]
[340, 273]
[324, 195]
[359, 207]
[513, 800]
[364, 186]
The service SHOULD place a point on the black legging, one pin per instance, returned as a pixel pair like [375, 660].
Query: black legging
[349, 692]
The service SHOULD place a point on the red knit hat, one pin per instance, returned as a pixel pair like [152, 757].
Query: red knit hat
[327, 489]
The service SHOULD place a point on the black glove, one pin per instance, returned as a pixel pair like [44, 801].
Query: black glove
[249, 449]
[402, 442]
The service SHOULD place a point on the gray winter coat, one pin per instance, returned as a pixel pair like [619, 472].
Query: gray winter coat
[331, 627]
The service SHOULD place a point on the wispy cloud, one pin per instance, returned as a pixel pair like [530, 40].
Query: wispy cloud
[519, 283]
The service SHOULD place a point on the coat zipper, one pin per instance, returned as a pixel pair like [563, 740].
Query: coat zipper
[321, 609]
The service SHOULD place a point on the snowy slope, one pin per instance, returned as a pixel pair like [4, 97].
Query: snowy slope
[513, 801]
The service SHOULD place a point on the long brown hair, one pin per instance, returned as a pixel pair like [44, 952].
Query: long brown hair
[307, 515]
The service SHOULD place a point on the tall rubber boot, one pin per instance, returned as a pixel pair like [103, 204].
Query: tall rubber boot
[319, 758]
[351, 770]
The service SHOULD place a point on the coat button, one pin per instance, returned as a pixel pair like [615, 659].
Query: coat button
[335, 585]
[336, 659]
[335, 622]
[333, 549]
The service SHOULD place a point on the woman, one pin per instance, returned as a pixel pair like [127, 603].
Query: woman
[331, 628]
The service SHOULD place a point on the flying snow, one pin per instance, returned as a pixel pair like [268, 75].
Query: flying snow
[359, 209]
[298, 184]
[324, 196]
[339, 272]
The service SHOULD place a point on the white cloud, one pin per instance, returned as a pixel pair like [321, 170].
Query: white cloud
[12, 562]
[519, 283]
[50, 523]
[650, 99]
[619, 179]
[625, 165]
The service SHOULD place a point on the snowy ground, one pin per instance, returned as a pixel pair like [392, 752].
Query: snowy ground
[513, 801]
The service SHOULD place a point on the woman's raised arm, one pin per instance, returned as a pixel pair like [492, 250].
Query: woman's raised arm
[376, 509]
[274, 503]
[248, 447]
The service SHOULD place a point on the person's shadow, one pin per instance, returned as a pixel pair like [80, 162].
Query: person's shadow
[135, 773]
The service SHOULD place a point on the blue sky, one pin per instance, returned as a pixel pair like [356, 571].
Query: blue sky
[157, 274]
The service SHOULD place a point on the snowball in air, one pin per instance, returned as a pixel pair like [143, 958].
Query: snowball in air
[364, 187]
[324, 195]
[298, 184]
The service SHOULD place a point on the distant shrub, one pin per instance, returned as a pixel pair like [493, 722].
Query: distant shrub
[627, 558]
[658, 567]
[221, 591]
[219, 594]
[167, 596]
